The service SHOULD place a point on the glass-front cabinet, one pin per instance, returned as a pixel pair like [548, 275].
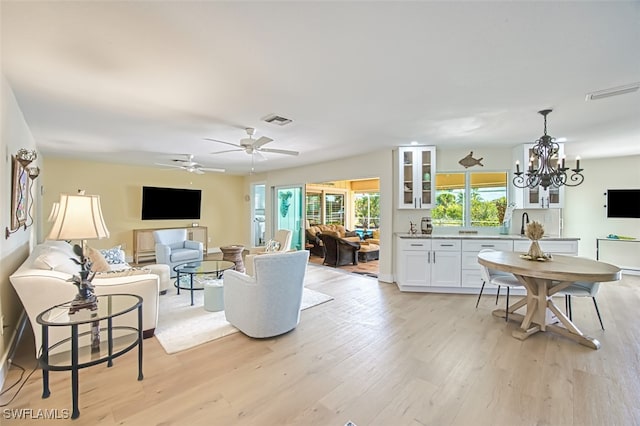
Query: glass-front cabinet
[416, 169]
[538, 197]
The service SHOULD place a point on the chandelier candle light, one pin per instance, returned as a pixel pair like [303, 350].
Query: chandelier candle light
[545, 150]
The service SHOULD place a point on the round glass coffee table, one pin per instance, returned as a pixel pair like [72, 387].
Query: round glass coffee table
[186, 271]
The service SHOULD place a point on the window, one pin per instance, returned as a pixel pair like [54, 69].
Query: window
[367, 209]
[334, 209]
[470, 199]
[314, 208]
[325, 207]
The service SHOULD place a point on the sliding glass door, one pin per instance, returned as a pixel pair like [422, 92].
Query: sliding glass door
[288, 212]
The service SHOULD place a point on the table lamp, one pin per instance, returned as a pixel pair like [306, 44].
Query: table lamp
[79, 217]
[54, 212]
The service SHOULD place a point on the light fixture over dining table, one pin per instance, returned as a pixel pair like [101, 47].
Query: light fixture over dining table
[547, 152]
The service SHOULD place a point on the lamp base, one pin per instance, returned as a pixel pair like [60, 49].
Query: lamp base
[79, 302]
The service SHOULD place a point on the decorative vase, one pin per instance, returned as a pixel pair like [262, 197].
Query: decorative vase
[505, 227]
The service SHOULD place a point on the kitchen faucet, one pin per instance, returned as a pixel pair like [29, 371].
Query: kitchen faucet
[522, 226]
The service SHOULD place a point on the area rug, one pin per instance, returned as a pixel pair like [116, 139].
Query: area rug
[182, 326]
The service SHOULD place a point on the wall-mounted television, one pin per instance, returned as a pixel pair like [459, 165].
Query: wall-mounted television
[170, 203]
[623, 203]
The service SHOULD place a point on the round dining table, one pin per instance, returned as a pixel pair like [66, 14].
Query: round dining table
[543, 279]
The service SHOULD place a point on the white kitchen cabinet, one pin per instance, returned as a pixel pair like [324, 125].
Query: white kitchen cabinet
[445, 263]
[416, 177]
[414, 268]
[449, 264]
[567, 248]
[424, 262]
[537, 197]
[471, 277]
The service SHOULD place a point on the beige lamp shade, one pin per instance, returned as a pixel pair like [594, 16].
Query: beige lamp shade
[79, 218]
[55, 208]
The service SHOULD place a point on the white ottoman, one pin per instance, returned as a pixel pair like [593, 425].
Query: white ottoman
[162, 271]
[213, 296]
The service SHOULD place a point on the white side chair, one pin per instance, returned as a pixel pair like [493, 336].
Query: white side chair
[581, 289]
[267, 304]
[499, 278]
[283, 237]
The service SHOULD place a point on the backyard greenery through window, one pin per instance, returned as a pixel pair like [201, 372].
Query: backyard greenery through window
[314, 208]
[470, 199]
[334, 209]
[367, 209]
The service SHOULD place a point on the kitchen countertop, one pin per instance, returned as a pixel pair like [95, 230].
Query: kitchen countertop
[479, 237]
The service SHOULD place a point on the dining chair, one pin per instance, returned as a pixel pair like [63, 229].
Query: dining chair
[500, 279]
[581, 289]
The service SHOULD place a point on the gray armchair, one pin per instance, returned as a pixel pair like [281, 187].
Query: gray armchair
[173, 248]
[267, 304]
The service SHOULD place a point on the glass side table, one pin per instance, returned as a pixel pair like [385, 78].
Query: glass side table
[84, 349]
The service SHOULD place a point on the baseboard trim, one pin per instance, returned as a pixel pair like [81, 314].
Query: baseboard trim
[13, 346]
[385, 278]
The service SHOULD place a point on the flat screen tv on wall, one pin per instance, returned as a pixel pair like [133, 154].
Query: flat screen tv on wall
[623, 203]
[170, 203]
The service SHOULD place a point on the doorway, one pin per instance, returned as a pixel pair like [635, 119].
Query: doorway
[258, 207]
[353, 204]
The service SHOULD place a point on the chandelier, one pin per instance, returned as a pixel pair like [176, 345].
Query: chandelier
[546, 154]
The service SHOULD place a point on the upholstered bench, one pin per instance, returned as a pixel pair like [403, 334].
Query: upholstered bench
[368, 252]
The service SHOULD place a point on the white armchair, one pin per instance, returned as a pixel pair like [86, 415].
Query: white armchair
[267, 304]
[173, 248]
[283, 237]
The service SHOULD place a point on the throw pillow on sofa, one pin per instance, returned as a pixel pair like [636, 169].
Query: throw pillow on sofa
[113, 255]
[56, 260]
[98, 262]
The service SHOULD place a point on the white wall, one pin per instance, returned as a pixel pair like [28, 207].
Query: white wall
[585, 215]
[366, 165]
[15, 135]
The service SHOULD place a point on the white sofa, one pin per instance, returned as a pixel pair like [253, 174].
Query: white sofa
[41, 282]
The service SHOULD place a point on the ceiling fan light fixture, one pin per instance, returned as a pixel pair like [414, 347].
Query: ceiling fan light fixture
[614, 91]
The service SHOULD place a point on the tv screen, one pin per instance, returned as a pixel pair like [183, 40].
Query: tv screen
[170, 203]
[623, 203]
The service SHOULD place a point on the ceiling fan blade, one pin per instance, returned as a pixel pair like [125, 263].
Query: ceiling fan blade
[228, 150]
[207, 169]
[279, 151]
[226, 143]
[170, 165]
[262, 140]
[196, 170]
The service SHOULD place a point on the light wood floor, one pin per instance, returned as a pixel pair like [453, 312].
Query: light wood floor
[374, 356]
[370, 267]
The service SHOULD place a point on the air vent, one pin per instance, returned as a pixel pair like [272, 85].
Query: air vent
[615, 91]
[277, 119]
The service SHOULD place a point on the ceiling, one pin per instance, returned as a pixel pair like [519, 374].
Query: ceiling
[142, 82]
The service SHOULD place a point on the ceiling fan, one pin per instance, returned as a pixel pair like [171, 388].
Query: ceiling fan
[189, 165]
[253, 146]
